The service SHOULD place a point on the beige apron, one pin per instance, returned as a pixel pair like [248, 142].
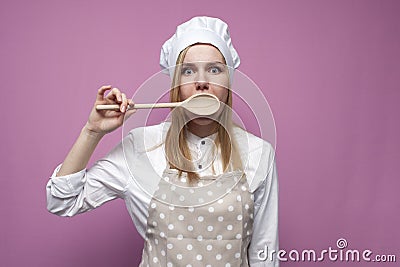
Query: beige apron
[208, 224]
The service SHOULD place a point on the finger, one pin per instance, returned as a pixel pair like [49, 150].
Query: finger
[124, 103]
[101, 91]
[117, 93]
[131, 104]
[114, 95]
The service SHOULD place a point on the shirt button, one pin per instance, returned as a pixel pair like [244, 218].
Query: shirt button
[203, 142]
[200, 166]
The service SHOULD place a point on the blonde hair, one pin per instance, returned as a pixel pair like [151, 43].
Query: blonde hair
[176, 147]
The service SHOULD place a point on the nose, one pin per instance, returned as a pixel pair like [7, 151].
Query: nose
[202, 83]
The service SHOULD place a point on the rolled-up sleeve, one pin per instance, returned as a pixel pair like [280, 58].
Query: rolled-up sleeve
[265, 242]
[89, 188]
[66, 186]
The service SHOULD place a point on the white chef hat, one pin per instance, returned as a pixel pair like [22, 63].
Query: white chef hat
[199, 30]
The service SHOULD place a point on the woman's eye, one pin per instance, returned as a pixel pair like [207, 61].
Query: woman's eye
[215, 70]
[187, 71]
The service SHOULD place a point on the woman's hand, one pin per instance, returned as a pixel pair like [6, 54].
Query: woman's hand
[102, 122]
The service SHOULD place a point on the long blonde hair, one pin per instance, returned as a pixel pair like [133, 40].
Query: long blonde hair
[176, 147]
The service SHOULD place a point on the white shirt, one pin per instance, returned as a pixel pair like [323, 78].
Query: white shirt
[133, 169]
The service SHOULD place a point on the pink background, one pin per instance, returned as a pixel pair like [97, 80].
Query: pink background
[329, 69]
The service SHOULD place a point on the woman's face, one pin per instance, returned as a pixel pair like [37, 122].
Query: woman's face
[204, 71]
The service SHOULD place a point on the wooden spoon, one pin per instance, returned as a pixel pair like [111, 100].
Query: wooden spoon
[199, 104]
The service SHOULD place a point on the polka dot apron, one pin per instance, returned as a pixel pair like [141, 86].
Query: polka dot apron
[206, 224]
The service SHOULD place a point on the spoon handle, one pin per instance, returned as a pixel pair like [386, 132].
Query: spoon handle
[140, 106]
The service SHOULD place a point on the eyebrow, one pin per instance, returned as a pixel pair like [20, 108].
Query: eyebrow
[211, 62]
[188, 64]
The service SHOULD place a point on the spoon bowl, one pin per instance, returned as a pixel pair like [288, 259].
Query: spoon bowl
[202, 104]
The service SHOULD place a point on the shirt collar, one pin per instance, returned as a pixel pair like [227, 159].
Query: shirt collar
[194, 139]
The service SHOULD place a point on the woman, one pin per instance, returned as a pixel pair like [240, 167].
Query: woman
[200, 191]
